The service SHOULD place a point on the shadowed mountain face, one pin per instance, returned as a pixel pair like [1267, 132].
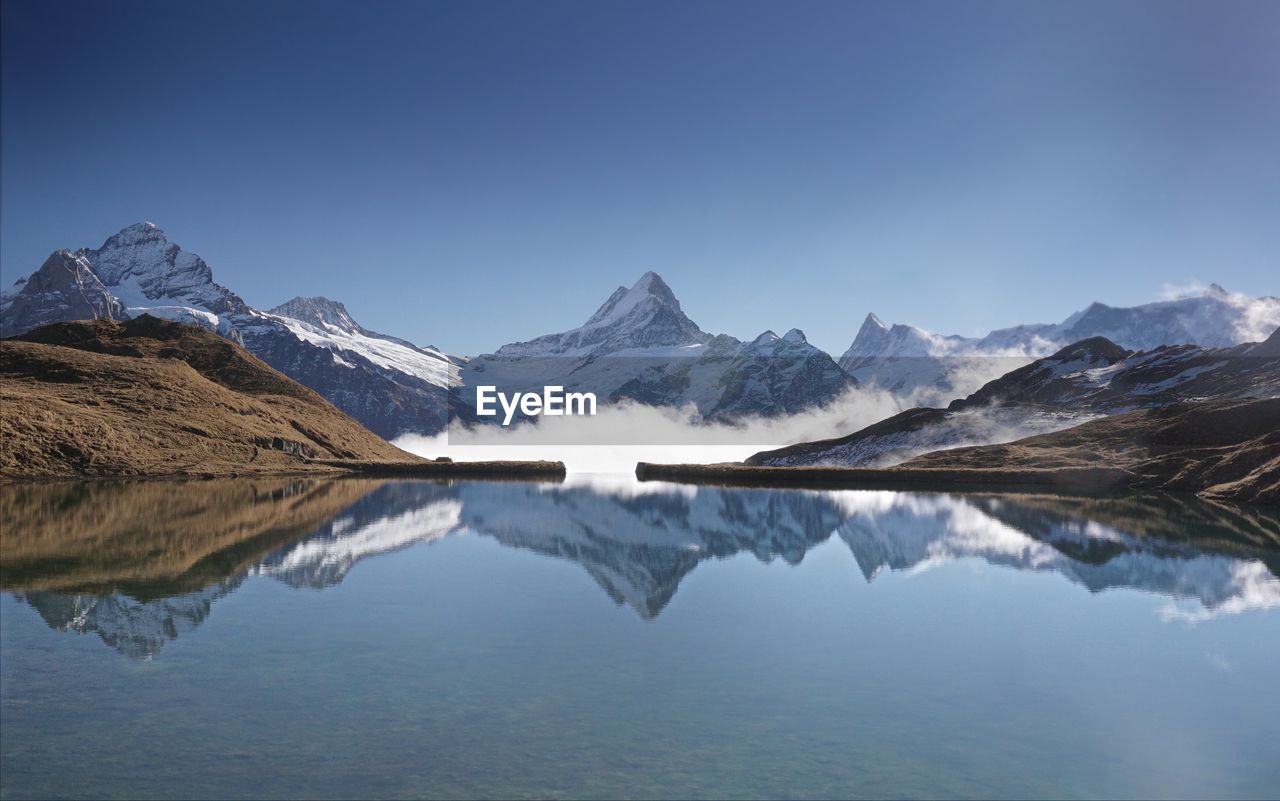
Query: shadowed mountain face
[1083, 381]
[140, 564]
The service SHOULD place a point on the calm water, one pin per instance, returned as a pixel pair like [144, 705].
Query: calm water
[362, 638]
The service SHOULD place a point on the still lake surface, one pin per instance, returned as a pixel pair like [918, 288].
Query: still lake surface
[338, 638]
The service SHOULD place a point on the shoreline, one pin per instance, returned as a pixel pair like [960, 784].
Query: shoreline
[1088, 480]
[333, 468]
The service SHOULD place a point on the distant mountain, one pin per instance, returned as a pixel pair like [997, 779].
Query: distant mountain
[1084, 380]
[389, 385]
[904, 358]
[644, 318]
[640, 345]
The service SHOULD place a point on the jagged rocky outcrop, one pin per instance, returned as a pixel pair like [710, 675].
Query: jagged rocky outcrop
[64, 288]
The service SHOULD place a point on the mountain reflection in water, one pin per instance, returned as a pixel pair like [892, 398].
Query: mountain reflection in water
[138, 563]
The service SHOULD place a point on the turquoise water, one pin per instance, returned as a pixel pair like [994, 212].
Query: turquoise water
[409, 639]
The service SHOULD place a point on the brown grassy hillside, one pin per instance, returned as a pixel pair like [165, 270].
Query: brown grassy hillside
[151, 397]
[1220, 449]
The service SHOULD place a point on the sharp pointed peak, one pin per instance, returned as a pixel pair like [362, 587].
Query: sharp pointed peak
[765, 338]
[871, 329]
[795, 335]
[624, 300]
[652, 284]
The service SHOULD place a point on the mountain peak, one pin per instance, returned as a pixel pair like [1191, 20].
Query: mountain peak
[650, 287]
[647, 315]
[794, 335]
[136, 234]
[1215, 291]
[318, 311]
[872, 331]
[653, 284]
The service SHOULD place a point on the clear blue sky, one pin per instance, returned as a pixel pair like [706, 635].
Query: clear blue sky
[467, 174]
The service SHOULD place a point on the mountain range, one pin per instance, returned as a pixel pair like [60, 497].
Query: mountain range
[904, 358]
[383, 382]
[639, 345]
[1080, 382]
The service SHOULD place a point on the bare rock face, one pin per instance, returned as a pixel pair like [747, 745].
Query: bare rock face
[64, 288]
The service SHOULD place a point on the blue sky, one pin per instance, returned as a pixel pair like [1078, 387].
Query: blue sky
[467, 174]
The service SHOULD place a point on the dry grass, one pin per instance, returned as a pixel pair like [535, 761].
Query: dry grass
[1220, 449]
[154, 398]
[1225, 450]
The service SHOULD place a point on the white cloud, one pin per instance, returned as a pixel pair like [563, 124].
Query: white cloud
[620, 435]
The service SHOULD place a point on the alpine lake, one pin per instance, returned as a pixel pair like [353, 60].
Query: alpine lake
[339, 638]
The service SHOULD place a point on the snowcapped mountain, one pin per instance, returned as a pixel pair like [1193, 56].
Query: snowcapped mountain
[1084, 380]
[64, 288]
[646, 317]
[327, 324]
[640, 345]
[904, 358]
[388, 384]
[151, 275]
[640, 546]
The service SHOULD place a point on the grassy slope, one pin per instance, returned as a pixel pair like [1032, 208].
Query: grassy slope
[150, 397]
